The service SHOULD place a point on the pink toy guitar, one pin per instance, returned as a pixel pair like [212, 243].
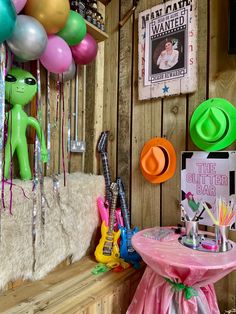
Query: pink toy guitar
[104, 214]
[103, 211]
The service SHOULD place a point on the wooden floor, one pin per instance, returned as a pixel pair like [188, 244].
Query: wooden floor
[74, 289]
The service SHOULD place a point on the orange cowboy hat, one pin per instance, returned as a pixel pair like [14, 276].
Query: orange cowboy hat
[158, 160]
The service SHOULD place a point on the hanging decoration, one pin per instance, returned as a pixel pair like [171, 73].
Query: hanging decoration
[2, 102]
[19, 5]
[86, 51]
[9, 60]
[34, 220]
[3, 128]
[7, 20]
[56, 192]
[38, 152]
[44, 33]
[66, 75]
[50, 13]
[36, 174]
[168, 49]
[20, 88]
[57, 56]
[62, 131]
[2, 114]
[74, 30]
[29, 39]
[48, 121]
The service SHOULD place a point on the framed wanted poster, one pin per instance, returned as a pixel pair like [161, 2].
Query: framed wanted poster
[205, 177]
[167, 49]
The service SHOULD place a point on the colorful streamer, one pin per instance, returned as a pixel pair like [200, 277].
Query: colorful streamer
[2, 117]
[62, 131]
[34, 220]
[56, 186]
[48, 121]
[2, 96]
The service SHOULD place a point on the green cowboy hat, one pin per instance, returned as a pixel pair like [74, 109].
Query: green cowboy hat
[213, 124]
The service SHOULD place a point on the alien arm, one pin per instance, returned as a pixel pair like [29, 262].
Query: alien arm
[35, 124]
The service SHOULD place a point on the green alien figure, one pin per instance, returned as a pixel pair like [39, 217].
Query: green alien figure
[20, 88]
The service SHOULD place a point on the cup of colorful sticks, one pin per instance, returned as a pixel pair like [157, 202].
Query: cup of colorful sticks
[225, 217]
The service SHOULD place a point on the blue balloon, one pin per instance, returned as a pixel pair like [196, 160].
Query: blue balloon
[7, 19]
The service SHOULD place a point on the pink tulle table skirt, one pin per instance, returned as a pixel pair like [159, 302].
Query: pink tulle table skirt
[172, 260]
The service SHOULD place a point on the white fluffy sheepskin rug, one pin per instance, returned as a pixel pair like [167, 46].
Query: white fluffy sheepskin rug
[64, 225]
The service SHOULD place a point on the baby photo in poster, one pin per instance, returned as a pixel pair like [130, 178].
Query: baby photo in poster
[207, 178]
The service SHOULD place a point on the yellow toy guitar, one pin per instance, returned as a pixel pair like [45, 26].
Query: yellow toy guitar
[107, 251]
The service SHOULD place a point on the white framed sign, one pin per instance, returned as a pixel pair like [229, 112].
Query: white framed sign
[205, 177]
[168, 49]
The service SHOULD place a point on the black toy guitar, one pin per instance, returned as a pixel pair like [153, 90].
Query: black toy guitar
[102, 149]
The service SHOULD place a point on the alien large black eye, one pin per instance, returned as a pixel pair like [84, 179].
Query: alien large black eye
[30, 81]
[10, 78]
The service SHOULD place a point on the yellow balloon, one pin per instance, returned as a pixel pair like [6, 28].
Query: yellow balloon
[52, 14]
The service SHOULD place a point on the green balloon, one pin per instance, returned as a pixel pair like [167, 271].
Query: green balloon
[74, 30]
[20, 88]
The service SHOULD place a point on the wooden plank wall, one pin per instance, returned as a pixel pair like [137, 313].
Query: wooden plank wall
[110, 102]
[222, 83]
[133, 122]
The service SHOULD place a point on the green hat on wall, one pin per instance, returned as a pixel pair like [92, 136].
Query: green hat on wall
[213, 124]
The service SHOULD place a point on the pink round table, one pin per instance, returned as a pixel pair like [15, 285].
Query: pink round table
[180, 264]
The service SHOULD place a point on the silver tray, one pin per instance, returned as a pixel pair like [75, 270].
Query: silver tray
[182, 240]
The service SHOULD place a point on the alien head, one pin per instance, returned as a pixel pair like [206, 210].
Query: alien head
[20, 87]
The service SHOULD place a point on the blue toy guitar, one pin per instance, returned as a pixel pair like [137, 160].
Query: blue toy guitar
[127, 251]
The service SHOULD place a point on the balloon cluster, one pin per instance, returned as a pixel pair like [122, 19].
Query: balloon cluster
[49, 31]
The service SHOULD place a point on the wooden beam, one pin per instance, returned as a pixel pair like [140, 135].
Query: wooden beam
[125, 97]
[146, 124]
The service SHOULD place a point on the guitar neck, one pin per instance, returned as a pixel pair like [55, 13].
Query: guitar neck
[112, 214]
[125, 211]
[123, 204]
[107, 176]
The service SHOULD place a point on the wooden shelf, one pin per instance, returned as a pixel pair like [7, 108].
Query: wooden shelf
[105, 1]
[96, 32]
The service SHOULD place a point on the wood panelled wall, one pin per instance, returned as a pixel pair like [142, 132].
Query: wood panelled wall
[110, 102]
[132, 122]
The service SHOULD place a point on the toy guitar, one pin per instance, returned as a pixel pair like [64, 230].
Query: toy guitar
[127, 251]
[102, 149]
[103, 211]
[107, 251]
[104, 214]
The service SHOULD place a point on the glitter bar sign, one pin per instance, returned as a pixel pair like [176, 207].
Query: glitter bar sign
[204, 178]
[168, 49]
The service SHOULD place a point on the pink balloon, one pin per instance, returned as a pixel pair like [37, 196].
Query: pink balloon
[86, 51]
[57, 56]
[19, 5]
